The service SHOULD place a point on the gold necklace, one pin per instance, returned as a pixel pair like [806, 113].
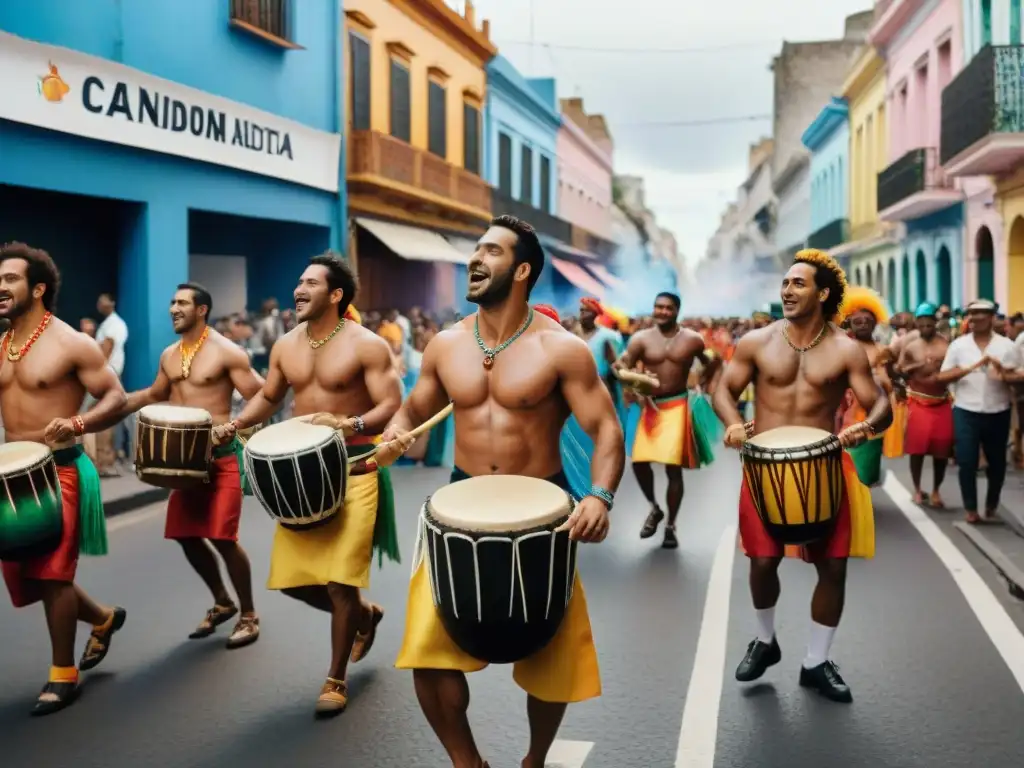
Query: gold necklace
[14, 355]
[317, 344]
[817, 339]
[189, 352]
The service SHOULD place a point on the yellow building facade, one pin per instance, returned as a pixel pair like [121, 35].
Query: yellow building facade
[872, 249]
[416, 82]
[1008, 280]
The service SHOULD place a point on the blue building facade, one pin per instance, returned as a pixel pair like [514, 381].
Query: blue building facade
[145, 144]
[828, 139]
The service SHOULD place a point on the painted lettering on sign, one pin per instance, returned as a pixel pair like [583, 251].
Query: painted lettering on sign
[141, 105]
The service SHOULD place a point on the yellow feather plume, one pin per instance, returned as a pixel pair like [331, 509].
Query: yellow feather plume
[858, 299]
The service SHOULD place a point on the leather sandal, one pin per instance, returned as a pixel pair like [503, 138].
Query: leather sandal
[333, 698]
[98, 645]
[246, 632]
[54, 697]
[364, 642]
[216, 616]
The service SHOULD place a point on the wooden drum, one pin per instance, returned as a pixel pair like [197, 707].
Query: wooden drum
[31, 509]
[795, 475]
[173, 446]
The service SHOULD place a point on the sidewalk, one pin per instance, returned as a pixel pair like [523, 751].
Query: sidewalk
[128, 493]
[1000, 542]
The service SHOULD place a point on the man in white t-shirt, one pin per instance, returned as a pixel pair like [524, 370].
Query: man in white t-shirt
[112, 336]
[980, 366]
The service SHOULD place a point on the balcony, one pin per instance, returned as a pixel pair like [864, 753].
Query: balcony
[404, 177]
[544, 223]
[983, 114]
[834, 233]
[914, 186]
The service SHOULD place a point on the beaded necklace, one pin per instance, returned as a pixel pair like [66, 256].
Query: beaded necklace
[316, 344]
[8, 339]
[491, 353]
[189, 352]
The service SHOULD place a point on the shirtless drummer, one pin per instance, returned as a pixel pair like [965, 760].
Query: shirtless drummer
[201, 371]
[343, 374]
[514, 376]
[666, 351]
[801, 367]
[40, 400]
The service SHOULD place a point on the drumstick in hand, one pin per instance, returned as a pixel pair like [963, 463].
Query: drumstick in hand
[433, 421]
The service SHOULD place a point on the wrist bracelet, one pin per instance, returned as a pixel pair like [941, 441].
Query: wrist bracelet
[604, 495]
[359, 426]
[78, 424]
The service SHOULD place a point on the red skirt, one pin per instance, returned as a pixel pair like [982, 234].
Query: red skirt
[929, 427]
[212, 512]
[61, 564]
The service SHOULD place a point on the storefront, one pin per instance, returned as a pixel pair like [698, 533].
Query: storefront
[135, 184]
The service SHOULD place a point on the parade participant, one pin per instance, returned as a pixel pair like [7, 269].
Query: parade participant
[802, 367]
[202, 370]
[514, 376]
[864, 309]
[671, 431]
[345, 370]
[46, 370]
[930, 410]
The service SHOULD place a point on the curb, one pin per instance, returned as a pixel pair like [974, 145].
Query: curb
[130, 502]
[1007, 569]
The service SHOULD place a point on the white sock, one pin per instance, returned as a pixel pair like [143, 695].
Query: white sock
[765, 624]
[819, 646]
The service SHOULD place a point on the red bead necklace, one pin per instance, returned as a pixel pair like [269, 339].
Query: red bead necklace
[15, 356]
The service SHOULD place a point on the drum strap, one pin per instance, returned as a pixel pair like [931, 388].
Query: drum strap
[92, 522]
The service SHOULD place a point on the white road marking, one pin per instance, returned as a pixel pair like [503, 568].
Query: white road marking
[994, 619]
[698, 735]
[568, 754]
[127, 519]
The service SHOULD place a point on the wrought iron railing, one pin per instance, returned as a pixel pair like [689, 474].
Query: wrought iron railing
[834, 233]
[917, 171]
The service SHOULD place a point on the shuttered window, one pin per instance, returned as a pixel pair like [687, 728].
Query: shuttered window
[359, 74]
[471, 139]
[437, 116]
[505, 163]
[545, 184]
[401, 113]
[526, 176]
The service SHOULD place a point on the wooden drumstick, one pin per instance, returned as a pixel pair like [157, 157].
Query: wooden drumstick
[427, 425]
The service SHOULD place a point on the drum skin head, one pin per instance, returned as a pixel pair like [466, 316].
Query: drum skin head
[789, 437]
[289, 437]
[21, 455]
[499, 503]
[174, 414]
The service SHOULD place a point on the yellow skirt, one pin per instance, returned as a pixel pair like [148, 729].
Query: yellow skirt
[564, 671]
[339, 551]
[892, 439]
[665, 434]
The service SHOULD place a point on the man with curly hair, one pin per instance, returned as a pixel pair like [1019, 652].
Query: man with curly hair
[801, 367]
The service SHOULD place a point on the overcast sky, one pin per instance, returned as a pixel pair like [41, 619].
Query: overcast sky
[631, 68]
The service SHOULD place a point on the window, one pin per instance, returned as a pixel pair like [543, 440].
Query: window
[269, 18]
[359, 77]
[1014, 22]
[401, 114]
[986, 22]
[505, 163]
[545, 184]
[437, 119]
[471, 139]
[526, 176]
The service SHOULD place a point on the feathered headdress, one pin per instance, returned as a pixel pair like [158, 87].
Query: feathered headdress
[592, 304]
[353, 314]
[860, 299]
[817, 258]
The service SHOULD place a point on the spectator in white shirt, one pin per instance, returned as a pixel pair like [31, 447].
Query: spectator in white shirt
[979, 365]
[112, 336]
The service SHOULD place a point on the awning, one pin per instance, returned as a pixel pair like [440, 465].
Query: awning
[605, 276]
[565, 248]
[463, 245]
[413, 243]
[579, 277]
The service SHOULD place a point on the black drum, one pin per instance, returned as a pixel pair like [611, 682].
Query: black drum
[298, 471]
[501, 577]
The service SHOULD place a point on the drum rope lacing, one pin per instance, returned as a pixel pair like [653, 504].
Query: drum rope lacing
[817, 339]
[8, 339]
[317, 344]
[189, 352]
[491, 353]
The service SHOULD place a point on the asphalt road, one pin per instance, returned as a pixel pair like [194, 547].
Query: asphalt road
[922, 645]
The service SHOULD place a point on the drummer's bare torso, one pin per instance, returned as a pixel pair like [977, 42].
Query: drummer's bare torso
[44, 384]
[508, 420]
[667, 356]
[929, 354]
[794, 389]
[209, 385]
[330, 379]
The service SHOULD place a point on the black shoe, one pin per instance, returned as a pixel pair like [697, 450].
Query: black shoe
[64, 696]
[827, 681]
[670, 542]
[651, 523]
[759, 657]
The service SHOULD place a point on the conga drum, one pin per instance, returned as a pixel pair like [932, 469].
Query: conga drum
[795, 476]
[501, 577]
[298, 471]
[173, 446]
[31, 511]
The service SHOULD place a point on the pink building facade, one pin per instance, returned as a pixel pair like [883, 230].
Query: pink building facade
[584, 173]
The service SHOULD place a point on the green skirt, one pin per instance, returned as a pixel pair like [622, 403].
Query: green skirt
[92, 521]
[867, 458]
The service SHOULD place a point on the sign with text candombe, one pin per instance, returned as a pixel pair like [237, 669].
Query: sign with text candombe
[71, 92]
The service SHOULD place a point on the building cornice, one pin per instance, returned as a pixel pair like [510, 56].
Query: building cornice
[588, 144]
[830, 119]
[450, 27]
[866, 70]
[521, 94]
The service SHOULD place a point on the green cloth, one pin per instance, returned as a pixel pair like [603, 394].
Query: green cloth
[867, 458]
[237, 448]
[707, 429]
[92, 522]
[385, 532]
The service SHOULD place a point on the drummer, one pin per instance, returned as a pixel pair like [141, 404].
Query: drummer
[663, 437]
[514, 376]
[801, 367]
[202, 370]
[343, 375]
[40, 401]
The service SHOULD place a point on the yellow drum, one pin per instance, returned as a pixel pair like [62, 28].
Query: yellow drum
[795, 476]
